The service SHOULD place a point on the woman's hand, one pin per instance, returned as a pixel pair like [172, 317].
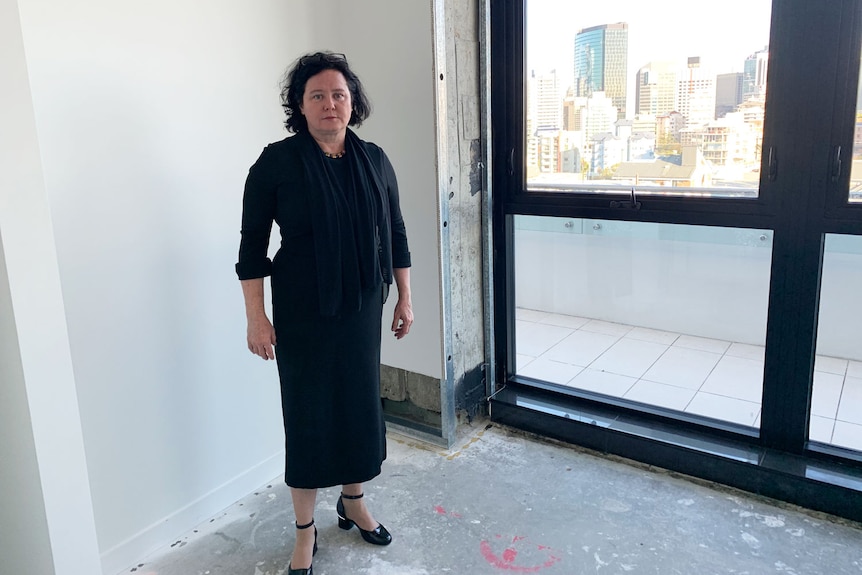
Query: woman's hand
[260, 333]
[404, 308]
[261, 337]
[403, 317]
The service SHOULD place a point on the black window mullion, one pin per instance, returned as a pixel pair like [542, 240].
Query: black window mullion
[508, 125]
[790, 338]
[798, 134]
[843, 120]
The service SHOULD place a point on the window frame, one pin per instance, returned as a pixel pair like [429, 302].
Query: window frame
[800, 200]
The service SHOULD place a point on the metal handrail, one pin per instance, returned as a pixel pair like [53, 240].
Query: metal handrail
[641, 190]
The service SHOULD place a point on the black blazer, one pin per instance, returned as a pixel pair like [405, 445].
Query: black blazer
[274, 192]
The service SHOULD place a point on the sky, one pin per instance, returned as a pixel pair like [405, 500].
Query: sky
[722, 33]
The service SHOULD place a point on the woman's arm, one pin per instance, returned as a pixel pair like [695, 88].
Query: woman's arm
[399, 252]
[258, 211]
[260, 333]
[403, 317]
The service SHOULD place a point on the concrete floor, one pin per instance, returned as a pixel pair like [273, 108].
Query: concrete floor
[503, 502]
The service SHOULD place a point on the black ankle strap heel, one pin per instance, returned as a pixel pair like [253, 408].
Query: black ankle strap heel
[378, 536]
[309, 571]
[306, 526]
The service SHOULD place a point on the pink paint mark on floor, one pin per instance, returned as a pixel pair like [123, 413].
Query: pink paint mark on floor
[538, 557]
[440, 510]
[506, 561]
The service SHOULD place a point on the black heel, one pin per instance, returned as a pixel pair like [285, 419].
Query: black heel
[309, 571]
[378, 536]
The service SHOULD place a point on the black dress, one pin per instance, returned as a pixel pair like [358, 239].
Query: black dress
[328, 365]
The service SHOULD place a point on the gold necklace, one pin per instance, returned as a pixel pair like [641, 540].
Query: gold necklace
[335, 156]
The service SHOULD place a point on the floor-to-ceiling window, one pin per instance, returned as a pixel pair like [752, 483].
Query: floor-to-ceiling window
[678, 222]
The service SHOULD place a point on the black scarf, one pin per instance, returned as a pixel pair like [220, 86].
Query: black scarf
[347, 226]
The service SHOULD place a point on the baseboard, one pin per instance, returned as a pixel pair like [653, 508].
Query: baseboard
[129, 553]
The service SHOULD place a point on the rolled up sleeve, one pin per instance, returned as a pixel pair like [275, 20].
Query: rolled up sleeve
[258, 212]
[400, 248]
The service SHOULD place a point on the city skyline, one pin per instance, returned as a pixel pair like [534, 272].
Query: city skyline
[656, 32]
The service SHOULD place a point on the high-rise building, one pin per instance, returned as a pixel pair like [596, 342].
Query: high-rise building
[544, 120]
[544, 102]
[728, 93]
[601, 63]
[655, 91]
[549, 102]
[754, 71]
[695, 95]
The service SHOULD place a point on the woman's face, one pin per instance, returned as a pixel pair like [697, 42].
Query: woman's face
[326, 105]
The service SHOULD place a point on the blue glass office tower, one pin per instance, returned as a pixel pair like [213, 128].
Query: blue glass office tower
[601, 63]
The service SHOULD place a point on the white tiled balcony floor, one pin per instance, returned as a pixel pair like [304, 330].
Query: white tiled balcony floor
[714, 378]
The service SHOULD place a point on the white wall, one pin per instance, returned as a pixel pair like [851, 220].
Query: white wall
[44, 490]
[389, 45]
[148, 116]
[24, 539]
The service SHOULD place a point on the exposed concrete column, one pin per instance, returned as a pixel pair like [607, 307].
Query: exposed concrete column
[461, 173]
[47, 515]
[462, 189]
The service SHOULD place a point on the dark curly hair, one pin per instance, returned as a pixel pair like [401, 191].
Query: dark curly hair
[297, 76]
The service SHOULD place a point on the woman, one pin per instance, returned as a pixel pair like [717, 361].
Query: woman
[343, 242]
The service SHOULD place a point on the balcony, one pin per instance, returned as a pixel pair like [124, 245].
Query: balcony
[715, 378]
[674, 316]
